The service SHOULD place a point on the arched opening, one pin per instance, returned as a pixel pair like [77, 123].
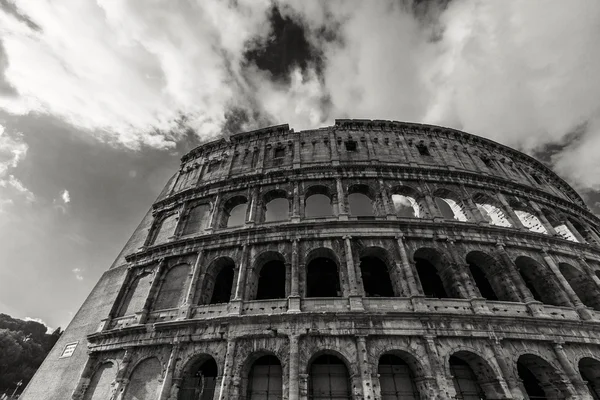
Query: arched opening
[584, 233]
[135, 298]
[584, 287]
[540, 282]
[409, 203]
[559, 226]
[376, 277]
[271, 281]
[234, 212]
[173, 288]
[490, 278]
[100, 387]
[540, 379]
[450, 205]
[361, 201]
[197, 219]
[166, 229]
[465, 381]
[531, 222]
[317, 203]
[396, 379]
[265, 380]
[589, 369]
[427, 264]
[491, 210]
[328, 379]
[322, 274]
[218, 282]
[199, 380]
[144, 381]
[277, 206]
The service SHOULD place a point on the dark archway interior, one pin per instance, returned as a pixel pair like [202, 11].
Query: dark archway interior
[265, 380]
[396, 379]
[530, 382]
[329, 379]
[589, 369]
[200, 382]
[529, 283]
[465, 381]
[484, 286]
[375, 277]
[223, 285]
[271, 281]
[430, 280]
[322, 279]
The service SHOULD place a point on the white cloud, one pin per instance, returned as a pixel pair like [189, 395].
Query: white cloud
[78, 273]
[65, 196]
[12, 150]
[41, 321]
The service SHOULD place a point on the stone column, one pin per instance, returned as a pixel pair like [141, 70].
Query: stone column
[235, 305]
[582, 310]
[335, 157]
[543, 219]
[251, 211]
[121, 381]
[407, 268]
[212, 224]
[511, 213]
[439, 371]
[154, 286]
[168, 378]
[459, 273]
[341, 200]
[230, 158]
[294, 298]
[574, 231]
[294, 386]
[589, 271]
[572, 374]
[355, 296]
[227, 379]
[261, 157]
[386, 200]
[296, 161]
[372, 154]
[364, 367]
[186, 308]
[433, 209]
[474, 210]
[296, 204]
[303, 383]
[513, 383]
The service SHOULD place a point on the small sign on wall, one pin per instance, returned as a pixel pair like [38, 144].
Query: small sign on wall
[68, 350]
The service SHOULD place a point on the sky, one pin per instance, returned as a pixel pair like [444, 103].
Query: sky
[100, 99]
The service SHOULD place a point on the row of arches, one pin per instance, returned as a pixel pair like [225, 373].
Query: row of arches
[378, 274]
[363, 201]
[329, 375]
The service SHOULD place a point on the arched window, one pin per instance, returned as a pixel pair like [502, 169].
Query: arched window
[449, 205]
[540, 379]
[317, 202]
[100, 387]
[271, 281]
[329, 379]
[197, 219]
[173, 287]
[427, 263]
[277, 206]
[396, 379]
[144, 381]
[136, 295]
[234, 212]
[406, 206]
[563, 231]
[490, 277]
[465, 382]
[223, 286]
[361, 201]
[322, 275]
[531, 222]
[540, 282]
[589, 369]
[584, 287]
[482, 282]
[218, 282]
[199, 380]
[166, 229]
[491, 211]
[375, 277]
[265, 380]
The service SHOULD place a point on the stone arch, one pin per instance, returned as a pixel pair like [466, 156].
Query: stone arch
[490, 277]
[197, 219]
[541, 282]
[379, 276]
[581, 229]
[102, 381]
[262, 376]
[362, 200]
[144, 380]
[199, 378]
[450, 205]
[540, 378]
[433, 272]
[233, 212]
[589, 369]
[318, 202]
[558, 223]
[217, 282]
[530, 221]
[172, 289]
[334, 370]
[275, 206]
[268, 277]
[322, 274]
[473, 376]
[164, 229]
[584, 287]
[136, 294]
[492, 210]
[409, 202]
[401, 380]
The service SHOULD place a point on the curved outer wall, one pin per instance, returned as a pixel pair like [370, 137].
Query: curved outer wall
[513, 249]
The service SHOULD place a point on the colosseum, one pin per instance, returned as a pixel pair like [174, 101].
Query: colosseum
[371, 260]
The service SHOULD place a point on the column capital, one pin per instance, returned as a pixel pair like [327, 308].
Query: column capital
[347, 237]
[500, 245]
[399, 236]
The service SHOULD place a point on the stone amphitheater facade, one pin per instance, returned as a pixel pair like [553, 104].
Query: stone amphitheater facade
[442, 265]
